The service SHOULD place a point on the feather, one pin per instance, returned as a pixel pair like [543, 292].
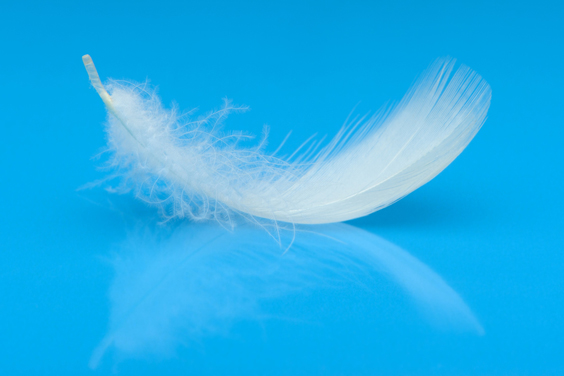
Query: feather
[190, 169]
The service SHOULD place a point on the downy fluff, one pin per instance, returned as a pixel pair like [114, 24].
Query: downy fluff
[190, 169]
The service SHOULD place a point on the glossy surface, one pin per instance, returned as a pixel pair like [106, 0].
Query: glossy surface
[490, 225]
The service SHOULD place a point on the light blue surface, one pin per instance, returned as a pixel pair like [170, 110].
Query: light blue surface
[490, 225]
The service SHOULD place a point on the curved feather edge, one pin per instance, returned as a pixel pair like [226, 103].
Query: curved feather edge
[190, 169]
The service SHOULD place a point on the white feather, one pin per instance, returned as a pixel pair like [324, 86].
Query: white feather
[190, 169]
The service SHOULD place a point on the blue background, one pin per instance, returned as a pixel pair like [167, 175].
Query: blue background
[491, 224]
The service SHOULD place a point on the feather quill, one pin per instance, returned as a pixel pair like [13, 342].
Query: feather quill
[190, 169]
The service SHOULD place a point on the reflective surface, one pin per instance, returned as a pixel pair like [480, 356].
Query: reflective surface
[490, 225]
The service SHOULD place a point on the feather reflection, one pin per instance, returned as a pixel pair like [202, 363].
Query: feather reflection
[174, 286]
